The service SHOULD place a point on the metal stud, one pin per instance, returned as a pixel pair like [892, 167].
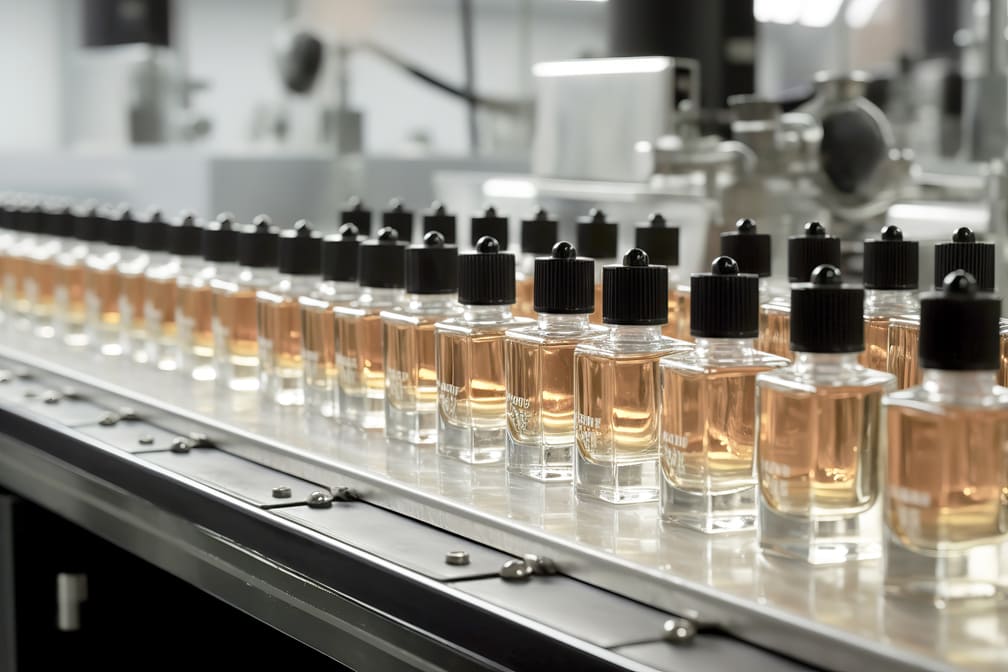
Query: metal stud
[319, 500]
[345, 494]
[679, 630]
[540, 564]
[109, 419]
[145, 439]
[515, 570]
[180, 445]
[456, 558]
[281, 492]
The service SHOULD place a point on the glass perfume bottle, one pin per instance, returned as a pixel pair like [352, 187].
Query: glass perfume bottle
[160, 289]
[235, 326]
[150, 241]
[439, 219]
[17, 265]
[194, 308]
[965, 253]
[890, 280]
[356, 213]
[8, 237]
[69, 292]
[661, 242]
[1003, 338]
[397, 217]
[539, 364]
[617, 388]
[751, 251]
[318, 324]
[410, 375]
[103, 286]
[817, 446]
[359, 356]
[40, 289]
[947, 476]
[538, 235]
[598, 239]
[472, 403]
[708, 417]
[805, 253]
[299, 262]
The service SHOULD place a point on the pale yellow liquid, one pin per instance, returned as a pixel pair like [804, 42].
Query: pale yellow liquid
[678, 316]
[160, 299]
[876, 336]
[902, 360]
[133, 297]
[411, 383]
[775, 331]
[472, 364]
[540, 380]
[359, 342]
[318, 330]
[818, 451]
[70, 286]
[280, 324]
[195, 309]
[104, 287]
[525, 298]
[236, 314]
[596, 316]
[42, 276]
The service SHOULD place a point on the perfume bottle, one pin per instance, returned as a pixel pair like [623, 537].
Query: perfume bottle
[410, 375]
[751, 251]
[890, 280]
[439, 219]
[318, 324]
[708, 417]
[40, 289]
[28, 221]
[235, 327]
[69, 292]
[965, 253]
[489, 223]
[194, 308]
[356, 213]
[1003, 338]
[597, 239]
[947, 476]
[538, 235]
[8, 237]
[661, 242]
[617, 385]
[805, 253]
[472, 403]
[160, 289]
[817, 446]
[539, 364]
[103, 286]
[397, 217]
[150, 241]
[299, 262]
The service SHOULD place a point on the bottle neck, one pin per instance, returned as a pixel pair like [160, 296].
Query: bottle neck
[891, 302]
[636, 333]
[474, 313]
[958, 383]
[806, 361]
[723, 346]
[380, 295]
[549, 321]
[431, 301]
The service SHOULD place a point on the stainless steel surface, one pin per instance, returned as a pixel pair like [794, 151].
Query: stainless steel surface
[134, 436]
[398, 539]
[666, 656]
[836, 618]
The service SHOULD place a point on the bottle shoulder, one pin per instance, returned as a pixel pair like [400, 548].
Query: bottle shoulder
[705, 363]
[925, 399]
[534, 334]
[828, 378]
[613, 349]
[460, 325]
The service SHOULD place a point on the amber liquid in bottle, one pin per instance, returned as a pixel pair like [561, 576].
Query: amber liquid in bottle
[596, 316]
[280, 348]
[876, 352]
[132, 302]
[411, 391]
[321, 375]
[525, 297]
[102, 299]
[679, 314]
[775, 329]
[195, 325]
[361, 367]
[41, 295]
[237, 337]
[160, 300]
[69, 296]
[902, 360]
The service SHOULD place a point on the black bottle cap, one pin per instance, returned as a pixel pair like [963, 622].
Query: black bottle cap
[35, 219]
[538, 234]
[382, 261]
[117, 228]
[635, 292]
[967, 253]
[185, 236]
[339, 254]
[432, 267]
[489, 224]
[487, 275]
[659, 240]
[152, 234]
[220, 239]
[357, 214]
[299, 250]
[959, 326]
[724, 303]
[889, 261]
[813, 248]
[399, 218]
[88, 224]
[827, 315]
[564, 282]
[440, 220]
[60, 221]
[596, 237]
[749, 249]
[257, 243]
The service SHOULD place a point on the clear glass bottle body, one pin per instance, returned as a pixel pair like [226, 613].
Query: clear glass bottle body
[617, 397]
[161, 283]
[102, 287]
[1003, 339]
[525, 287]
[40, 283]
[70, 311]
[539, 365]
[596, 316]
[7, 240]
[903, 334]
[817, 458]
[775, 327]
[278, 315]
[236, 327]
[708, 434]
[360, 358]
[318, 345]
[880, 307]
[132, 268]
[15, 269]
[411, 391]
[946, 509]
[194, 320]
[472, 397]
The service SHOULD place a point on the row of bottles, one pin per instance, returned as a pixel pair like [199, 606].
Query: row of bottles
[421, 342]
